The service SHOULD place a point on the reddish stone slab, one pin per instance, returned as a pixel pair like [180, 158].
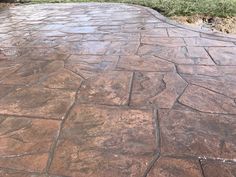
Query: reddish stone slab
[223, 85]
[163, 41]
[175, 167]
[33, 72]
[123, 48]
[110, 88]
[145, 63]
[13, 173]
[90, 65]
[105, 141]
[37, 102]
[44, 54]
[5, 89]
[85, 48]
[25, 143]
[62, 79]
[218, 169]
[205, 100]
[156, 89]
[7, 67]
[199, 134]
[178, 55]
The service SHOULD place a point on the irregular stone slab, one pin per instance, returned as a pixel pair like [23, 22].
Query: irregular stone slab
[37, 102]
[206, 42]
[178, 55]
[218, 169]
[62, 79]
[146, 63]
[89, 65]
[206, 70]
[25, 143]
[82, 29]
[110, 88]
[105, 141]
[5, 89]
[206, 100]
[223, 55]
[175, 167]
[13, 173]
[28, 74]
[123, 48]
[85, 48]
[156, 89]
[32, 72]
[7, 67]
[199, 134]
[163, 41]
[223, 85]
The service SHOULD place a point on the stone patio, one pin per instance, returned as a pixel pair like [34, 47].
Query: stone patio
[114, 90]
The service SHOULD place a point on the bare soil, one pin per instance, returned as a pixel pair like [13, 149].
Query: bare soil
[225, 25]
[6, 5]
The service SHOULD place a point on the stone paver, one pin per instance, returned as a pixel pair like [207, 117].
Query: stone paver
[116, 90]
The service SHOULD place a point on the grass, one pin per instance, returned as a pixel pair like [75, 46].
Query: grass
[219, 8]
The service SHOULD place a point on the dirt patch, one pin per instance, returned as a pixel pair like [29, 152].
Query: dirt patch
[225, 25]
[6, 5]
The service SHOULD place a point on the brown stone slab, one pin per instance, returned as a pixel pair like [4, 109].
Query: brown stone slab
[163, 41]
[178, 55]
[218, 169]
[5, 89]
[110, 88]
[44, 54]
[156, 89]
[62, 79]
[224, 85]
[199, 134]
[8, 67]
[25, 143]
[105, 141]
[13, 173]
[145, 63]
[175, 167]
[206, 70]
[32, 72]
[205, 100]
[37, 102]
[123, 48]
[85, 48]
[90, 65]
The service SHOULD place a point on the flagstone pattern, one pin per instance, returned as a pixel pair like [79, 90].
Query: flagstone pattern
[115, 90]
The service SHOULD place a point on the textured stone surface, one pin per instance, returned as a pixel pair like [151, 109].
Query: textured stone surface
[218, 169]
[205, 100]
[175, 167]
[137, 63]
[98, 141]
[178, 55]
[110, 88]
[114, 90]
[25, 143]
[38, 102]
[156, 89]
[200, 134]
[223, 55]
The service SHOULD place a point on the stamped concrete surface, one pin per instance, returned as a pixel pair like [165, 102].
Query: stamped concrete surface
[113, 90]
